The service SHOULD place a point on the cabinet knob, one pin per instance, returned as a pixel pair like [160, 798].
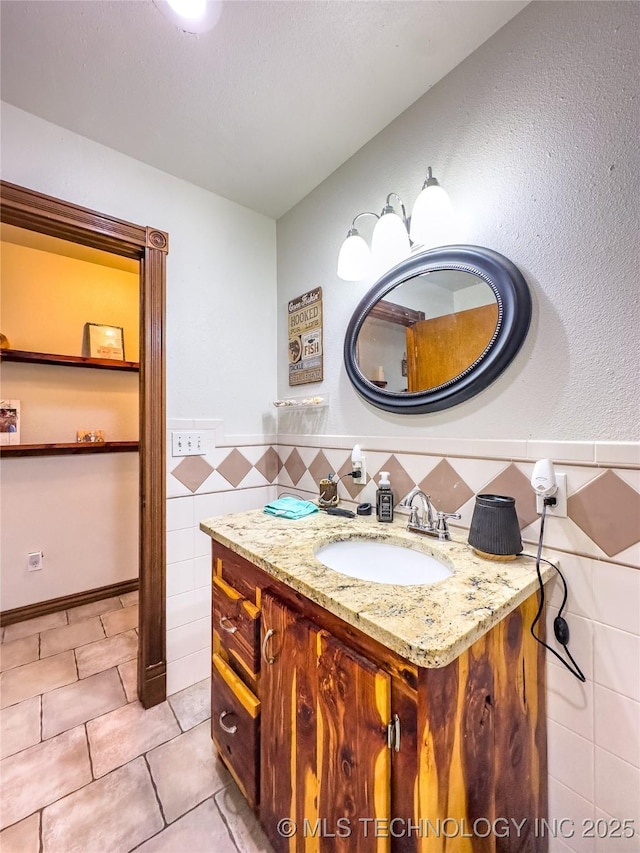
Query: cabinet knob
[267, 658]
[224, 627]
[230, 730]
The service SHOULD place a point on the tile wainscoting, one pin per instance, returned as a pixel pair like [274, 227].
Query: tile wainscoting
[594, 728]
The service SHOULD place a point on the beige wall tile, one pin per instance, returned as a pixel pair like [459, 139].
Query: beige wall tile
[43, 774]
[83, 700]
[117, 812]
[104, 654]
[187, 771]
[26, 681]
[122, 735]
[19, 726]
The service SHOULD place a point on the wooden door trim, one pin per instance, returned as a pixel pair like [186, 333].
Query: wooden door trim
[34, 211]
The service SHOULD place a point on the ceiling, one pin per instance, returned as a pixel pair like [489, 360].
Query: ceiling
[259, 110]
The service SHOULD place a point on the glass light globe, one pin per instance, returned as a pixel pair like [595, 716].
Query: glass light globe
[354, 260]
[190, 9]
[390, 243]
[432, 218]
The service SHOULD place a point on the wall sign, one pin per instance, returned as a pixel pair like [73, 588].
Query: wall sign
[305, 338]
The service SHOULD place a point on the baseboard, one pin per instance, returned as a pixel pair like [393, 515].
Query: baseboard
[65, 602]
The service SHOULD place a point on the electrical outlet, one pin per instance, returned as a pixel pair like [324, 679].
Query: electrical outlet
[560, 509]
[362, 468]
[34, 561]
[187, 443]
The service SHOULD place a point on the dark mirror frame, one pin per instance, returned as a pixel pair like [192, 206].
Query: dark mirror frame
[514, 316]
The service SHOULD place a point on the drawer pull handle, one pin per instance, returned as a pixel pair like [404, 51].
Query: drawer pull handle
[230, 630]
[265, 656]
[230, 730]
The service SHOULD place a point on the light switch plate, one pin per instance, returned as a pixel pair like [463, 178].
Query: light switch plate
[187, 443]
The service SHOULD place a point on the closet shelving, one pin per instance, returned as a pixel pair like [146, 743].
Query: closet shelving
[67, 448]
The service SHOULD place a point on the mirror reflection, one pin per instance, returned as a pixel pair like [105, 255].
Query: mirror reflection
[427, 331]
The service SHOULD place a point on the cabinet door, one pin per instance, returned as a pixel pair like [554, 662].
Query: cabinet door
[288, 688]
[354, 761]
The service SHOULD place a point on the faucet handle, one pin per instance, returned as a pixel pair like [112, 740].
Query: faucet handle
[443, 527]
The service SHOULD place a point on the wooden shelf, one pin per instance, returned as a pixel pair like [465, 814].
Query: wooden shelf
[70, 449]
[66, 360]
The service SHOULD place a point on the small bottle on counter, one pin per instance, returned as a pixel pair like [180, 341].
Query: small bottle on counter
[385, 498]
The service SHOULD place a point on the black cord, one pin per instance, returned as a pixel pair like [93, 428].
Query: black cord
[560, 627]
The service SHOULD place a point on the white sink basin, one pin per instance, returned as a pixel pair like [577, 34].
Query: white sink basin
[382, 562]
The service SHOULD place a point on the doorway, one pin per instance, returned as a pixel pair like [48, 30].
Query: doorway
[34, 211]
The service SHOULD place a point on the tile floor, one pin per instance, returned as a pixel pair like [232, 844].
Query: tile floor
[85, 769]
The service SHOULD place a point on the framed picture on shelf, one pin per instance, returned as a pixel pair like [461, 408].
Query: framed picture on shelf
[104, 341]
[9, 422]
[90, 436]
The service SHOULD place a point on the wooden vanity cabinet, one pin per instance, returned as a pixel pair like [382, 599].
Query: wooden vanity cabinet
[346, 731]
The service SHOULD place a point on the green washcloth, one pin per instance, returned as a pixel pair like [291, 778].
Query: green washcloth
[290, 507]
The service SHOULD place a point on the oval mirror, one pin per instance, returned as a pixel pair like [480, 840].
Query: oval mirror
[437, 329]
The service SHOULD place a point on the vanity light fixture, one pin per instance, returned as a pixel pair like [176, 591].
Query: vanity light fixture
[394, 235]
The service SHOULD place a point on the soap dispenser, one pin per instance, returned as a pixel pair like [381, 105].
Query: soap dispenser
[384, 498]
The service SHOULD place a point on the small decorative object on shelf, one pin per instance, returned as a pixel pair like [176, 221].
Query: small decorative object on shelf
[302, 402]
[90, 435]
[104, 341]
[4, 342]
[9, 422]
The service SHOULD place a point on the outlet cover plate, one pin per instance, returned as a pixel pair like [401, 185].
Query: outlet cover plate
[560, 509]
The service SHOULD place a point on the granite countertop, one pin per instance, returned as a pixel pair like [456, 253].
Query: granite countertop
[429, 625]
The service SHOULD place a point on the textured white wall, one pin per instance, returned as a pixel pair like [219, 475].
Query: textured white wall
[535, 138]
[221, 273]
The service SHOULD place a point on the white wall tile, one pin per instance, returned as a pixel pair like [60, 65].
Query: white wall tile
[180, 674]
[180, 577]
[202, 602]
[207, 506]
[617, 786]
[180, 609]
[570, 811]
[617, 660]
[188, 638]
[617, 838]
[570, 759]
[569, 701]
[201, 543]
[557, 451]
[618, 452]
[580, 644]
[179, 545]
[202, 570]
[202, 664]
[617, 724]
[616, 596]
[578, 573]
[179, 513]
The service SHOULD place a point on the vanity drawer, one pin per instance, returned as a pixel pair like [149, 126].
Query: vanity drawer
[237, 623]
[235, 726]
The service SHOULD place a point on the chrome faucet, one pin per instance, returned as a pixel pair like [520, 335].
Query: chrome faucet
[425, 523]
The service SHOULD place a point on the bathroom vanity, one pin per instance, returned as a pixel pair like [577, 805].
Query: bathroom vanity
[362, 716]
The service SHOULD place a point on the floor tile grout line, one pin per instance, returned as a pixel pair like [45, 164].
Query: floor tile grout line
[40, 830]
[155, 790]
[224, 817]
[86, 735]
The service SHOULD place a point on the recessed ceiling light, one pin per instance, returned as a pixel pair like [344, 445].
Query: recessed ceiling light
[191, 16]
